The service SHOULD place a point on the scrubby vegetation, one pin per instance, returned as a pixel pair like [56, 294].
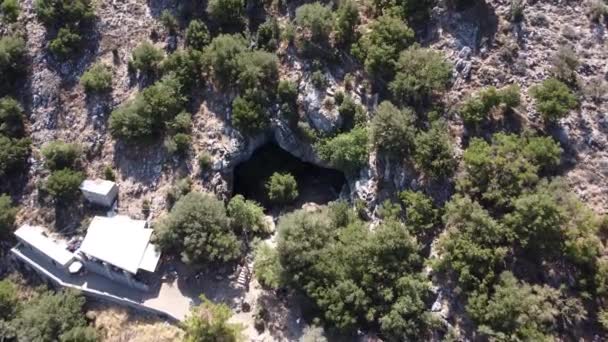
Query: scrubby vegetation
[97, 79]
[199, 230]
[282, 188]
[553, 99]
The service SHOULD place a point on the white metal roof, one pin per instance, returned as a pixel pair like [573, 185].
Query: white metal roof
[32, 235]
[117, 240]
[98, 186]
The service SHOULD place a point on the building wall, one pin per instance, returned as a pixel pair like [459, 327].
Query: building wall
[106, 271]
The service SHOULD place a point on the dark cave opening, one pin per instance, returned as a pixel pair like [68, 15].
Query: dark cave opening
[315, 184]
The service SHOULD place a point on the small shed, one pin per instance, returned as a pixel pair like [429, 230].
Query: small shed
[99, 191]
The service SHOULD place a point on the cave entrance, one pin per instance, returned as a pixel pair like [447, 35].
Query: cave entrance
[315, 184]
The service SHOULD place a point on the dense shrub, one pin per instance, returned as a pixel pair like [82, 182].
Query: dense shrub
[199, 230]
[66, 43]
[248, 116]
[209, 322]
[352, 114]
[282, 188]
[97, 79]
[186, 66]
[474, 246]
[564, 65]
[393, 130]
[169, 21]
[379, 47]
[346, 151]
[11, 117]
[13, 154]
[476, 110]
[269, 35]
[258, 75]
[416, 11]
[316, 20]
[197, 35]
[519, 311]
[7, 221]
[64, 184]
[420, 73]
[80, 334]
[221, 57]
[178, 144]
[421, 215]
[498, 172]
[346, 270]
[205, 161]
[433, 152]
[64, 12]
[8, 293]
[149, 112]
[347, 19]
[10, 10]
[50, 315]
[12, 61]
[267, 267]
[246, 215]
[227, 12]
[146, 57]
[61, 155]
[553, 99]
[179, 189]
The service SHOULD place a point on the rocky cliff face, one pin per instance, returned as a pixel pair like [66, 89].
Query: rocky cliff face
[485, 48]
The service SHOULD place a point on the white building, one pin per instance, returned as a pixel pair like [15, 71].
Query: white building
[35, 239]
[99, 191]
[119, 248]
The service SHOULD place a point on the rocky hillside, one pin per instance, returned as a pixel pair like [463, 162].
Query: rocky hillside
[485, 43]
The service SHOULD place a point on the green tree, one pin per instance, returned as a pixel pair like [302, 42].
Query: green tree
[208, 322]
[197, 35]
[186, 67]
[66, 43]
[60, 155]
[10, 10]
[80, 334]
[98, 78]
[517, 311]
[316, 20]
[221, 57]
[433, 151]
[476, 110]
[150, 111]
[553, 99]
[420, 72]
[267, 267]
[12, 60]
[247, 215]
[13, 154]
[7, 217]
[346, 151]
[11, 117]
[9, 299]
[282, 188]
[379, 47]
[199, 230]
[64, 12]
[49, 315]
[269, 35]
[248, 116]
[64, 184]
[421, 215]
[227, 12]
[347, 19]
[393, 130]
[146, 57]
[475, 245]
[498, 172]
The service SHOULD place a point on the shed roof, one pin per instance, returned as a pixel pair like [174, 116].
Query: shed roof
[119, 241]
[33, 236]
[98, 186]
